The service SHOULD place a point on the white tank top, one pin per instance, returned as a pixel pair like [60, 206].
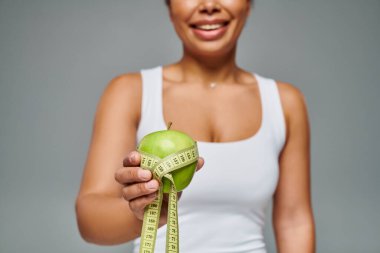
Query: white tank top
[224, 207]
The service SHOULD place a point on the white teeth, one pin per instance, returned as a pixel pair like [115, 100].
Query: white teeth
[209, 27]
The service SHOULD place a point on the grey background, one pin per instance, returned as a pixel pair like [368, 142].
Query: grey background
[57, 56]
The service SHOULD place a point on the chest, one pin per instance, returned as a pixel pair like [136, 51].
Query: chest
[241, 174]
[224, 113]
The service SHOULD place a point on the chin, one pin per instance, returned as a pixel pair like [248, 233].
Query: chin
[211, 49]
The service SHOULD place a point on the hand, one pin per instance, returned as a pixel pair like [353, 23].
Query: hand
[139, 188]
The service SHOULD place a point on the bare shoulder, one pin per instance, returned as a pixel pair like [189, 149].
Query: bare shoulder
[292, 98]
[294, 105]
[123, 84]
[122, 96]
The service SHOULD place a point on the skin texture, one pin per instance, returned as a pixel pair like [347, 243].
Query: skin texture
[114, 190]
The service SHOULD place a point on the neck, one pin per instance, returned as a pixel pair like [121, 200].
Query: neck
[209, 69]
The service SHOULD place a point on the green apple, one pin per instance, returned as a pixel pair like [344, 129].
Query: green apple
[164, 143]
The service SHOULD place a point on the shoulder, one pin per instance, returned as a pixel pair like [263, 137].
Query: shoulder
[293, 102]
[123, 84]
[122, 96]
[291, 96]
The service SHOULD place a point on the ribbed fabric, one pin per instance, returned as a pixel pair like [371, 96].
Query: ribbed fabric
[224, 207]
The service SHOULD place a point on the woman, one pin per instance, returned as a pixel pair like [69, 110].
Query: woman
[252, 132]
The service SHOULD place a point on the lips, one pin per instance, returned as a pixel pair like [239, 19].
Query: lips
[210, 29]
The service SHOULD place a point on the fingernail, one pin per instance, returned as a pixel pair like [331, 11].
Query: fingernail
[133, 157]
[144, 174]
[152, 184]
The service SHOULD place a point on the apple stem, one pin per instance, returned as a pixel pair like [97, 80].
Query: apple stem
[169, 125]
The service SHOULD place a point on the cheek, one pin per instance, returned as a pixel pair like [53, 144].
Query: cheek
[236, 8]
[182, 8]
[181, 12]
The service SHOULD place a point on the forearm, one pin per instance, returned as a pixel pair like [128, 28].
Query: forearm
[296, 238]
[106, 220]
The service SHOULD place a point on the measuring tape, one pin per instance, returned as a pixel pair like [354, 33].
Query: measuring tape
[161, 168]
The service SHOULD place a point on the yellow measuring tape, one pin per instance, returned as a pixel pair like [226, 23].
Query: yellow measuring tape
[161, 168]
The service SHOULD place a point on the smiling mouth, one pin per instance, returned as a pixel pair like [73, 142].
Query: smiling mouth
[209, 27]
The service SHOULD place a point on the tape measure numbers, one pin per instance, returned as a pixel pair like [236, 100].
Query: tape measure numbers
[161, 168]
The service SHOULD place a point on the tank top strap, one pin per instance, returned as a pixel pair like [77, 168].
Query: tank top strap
[151, 102]
[273, 115]
[151, 120]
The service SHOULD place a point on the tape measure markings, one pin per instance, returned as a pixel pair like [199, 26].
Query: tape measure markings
[170, 163]
[172, 237]
[161, 168]
[150, 223]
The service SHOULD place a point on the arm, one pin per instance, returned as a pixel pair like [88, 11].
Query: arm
[115, 190]
[293, 220]
[103, 216]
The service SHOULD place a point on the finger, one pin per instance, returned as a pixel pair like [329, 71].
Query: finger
[140, 189]
[200, 163]
[138, 205]
[132, 159]
[127, 175]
